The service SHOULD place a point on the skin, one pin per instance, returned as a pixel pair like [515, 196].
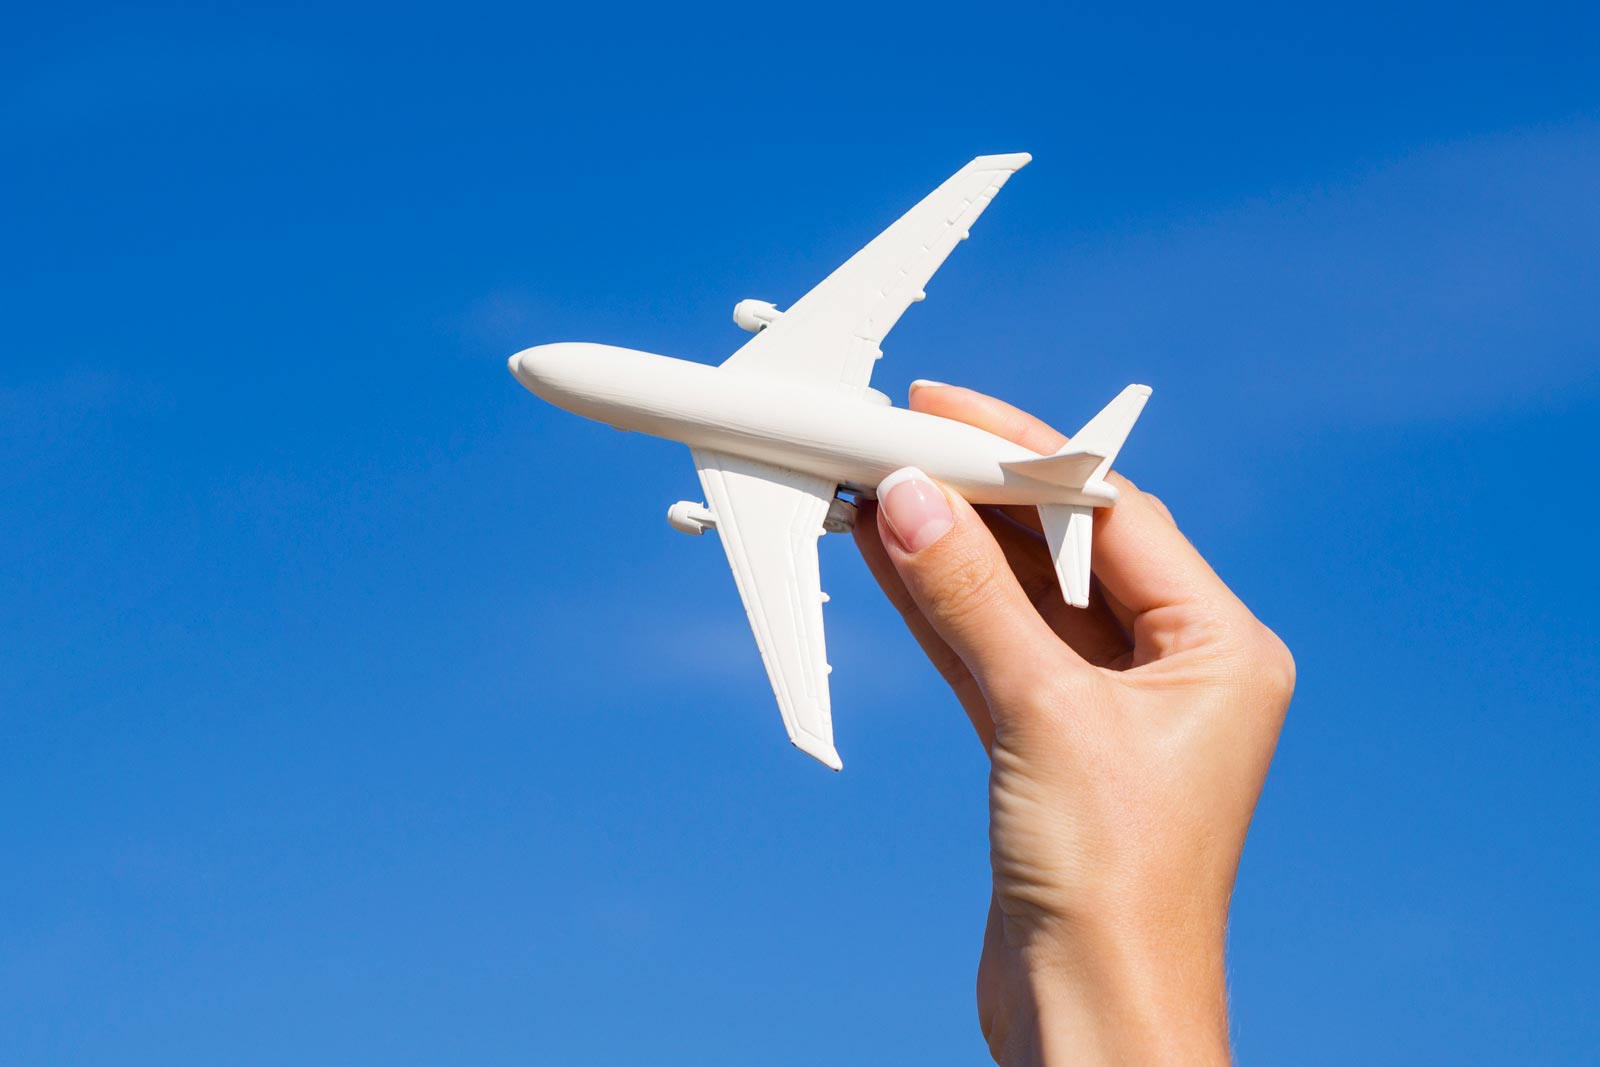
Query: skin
[1128, 744]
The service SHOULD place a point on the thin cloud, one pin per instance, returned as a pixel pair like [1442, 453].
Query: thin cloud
[1458, 281]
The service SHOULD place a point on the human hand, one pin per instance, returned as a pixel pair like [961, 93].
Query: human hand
[1128, 743]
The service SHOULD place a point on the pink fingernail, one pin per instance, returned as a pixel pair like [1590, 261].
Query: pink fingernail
[917, 512]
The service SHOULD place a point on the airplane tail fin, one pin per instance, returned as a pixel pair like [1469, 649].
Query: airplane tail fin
[1087, 457]
[1083, 463]
[1104, 434]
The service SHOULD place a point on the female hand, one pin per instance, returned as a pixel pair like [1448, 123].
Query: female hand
[1128, 743]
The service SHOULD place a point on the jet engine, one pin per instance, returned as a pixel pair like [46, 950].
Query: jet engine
[691, 518]
[841, 517]
[755, 315]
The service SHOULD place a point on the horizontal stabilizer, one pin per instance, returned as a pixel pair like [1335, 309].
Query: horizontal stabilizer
[1069, 530]
[1069, 469]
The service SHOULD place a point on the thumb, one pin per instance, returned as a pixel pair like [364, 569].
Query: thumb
[958, 575]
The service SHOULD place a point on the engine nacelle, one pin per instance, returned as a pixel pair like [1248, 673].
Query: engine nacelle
[755, 315]
[691, 518]
[841, 517]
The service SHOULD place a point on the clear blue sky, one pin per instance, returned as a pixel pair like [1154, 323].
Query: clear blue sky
[355, 707]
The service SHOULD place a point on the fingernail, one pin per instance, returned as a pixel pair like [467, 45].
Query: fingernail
[920, 382]
[915, 509]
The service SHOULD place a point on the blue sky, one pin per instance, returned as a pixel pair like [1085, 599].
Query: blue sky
[357, 708]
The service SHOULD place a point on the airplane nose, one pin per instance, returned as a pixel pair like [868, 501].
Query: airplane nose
[528, 365]
[557, 369]
[541, 367]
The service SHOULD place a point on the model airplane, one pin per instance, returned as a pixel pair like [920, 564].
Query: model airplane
[788, 421]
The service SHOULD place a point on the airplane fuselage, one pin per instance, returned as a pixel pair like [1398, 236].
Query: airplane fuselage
[853, 439]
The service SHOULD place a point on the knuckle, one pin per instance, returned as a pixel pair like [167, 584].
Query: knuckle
[1274, 665]
[1250, 660]
[1026, 691]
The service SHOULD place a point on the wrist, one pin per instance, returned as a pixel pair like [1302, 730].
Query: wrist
[1131, 994]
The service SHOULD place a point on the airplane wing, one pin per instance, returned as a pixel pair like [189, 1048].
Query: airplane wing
[831, 335]
[769, 520]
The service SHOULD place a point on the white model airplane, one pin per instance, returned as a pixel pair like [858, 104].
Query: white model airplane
[788, 421]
